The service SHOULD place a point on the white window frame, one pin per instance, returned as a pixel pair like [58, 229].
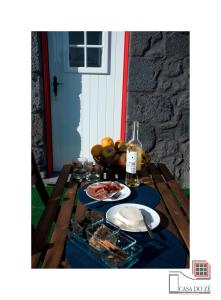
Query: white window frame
[90, 70]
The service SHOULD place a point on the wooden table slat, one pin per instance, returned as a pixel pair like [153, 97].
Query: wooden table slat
[166, 220]
[176, 189]
[175, 211]
[54, 253]
[166, 173]
[154, 171]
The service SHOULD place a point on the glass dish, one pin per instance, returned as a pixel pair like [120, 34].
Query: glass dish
[79, 228]
[104, 244]
[122, 258]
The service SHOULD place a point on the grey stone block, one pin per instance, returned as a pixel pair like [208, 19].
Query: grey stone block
[185, 148]
[143, 74]
[168, 161]
[183, 101]
[173, 85]
[180, 84]
[184, 178]
[145, 108]
[177, 44]
[35, 52]
[164, 84]
[173, 163]
[173, 67]
[166, 131]
[178, 172]
[163, 135]
[36, 93]
[140, 41]
[165, 148]
[40, 157]
[168, 125]
[147, 135]
[156, 37]
[186, 64]
[37, 130]
[182, 131]
[185, 167]
[179, 159]
[155, 55]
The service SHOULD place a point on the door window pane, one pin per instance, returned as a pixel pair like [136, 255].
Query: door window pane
[76, 57]
[94, 57]
[87, 51]
[94, 37]
[76, 37]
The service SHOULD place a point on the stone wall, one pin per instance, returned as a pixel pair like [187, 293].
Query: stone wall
[158, 97]
[38, 144]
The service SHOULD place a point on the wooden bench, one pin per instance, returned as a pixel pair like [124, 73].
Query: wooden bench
[50, 254]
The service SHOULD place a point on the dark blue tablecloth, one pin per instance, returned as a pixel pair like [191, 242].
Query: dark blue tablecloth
[165, 251]
[143, 194]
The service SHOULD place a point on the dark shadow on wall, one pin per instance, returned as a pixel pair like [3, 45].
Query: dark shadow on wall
[69, 117]
[66, 119]
[66, 108]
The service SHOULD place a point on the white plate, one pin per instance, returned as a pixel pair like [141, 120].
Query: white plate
[154, 218]
[125, 192]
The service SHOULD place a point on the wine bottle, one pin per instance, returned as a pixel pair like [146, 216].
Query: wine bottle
[133, 158]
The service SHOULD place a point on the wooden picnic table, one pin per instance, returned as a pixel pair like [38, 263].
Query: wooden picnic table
[173, 210]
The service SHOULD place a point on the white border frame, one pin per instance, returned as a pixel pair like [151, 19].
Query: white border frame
[88, 70]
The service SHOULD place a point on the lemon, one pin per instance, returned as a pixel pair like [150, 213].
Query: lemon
[96, 150]
[107, 141]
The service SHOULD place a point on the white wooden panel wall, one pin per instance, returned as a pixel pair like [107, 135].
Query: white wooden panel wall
[101, 99]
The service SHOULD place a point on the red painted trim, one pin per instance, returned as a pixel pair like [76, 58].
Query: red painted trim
[124, 87]
[47, 103]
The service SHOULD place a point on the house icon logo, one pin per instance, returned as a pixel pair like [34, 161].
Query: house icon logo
[197, 283]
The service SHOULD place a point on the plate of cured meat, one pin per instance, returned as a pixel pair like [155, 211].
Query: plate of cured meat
[103, 191]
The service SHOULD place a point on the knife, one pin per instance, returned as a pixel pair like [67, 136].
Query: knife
[143, 212]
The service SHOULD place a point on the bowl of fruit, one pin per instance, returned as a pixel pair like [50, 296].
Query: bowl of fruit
[110, 154]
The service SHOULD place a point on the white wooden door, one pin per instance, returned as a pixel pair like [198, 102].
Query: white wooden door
[89, 69]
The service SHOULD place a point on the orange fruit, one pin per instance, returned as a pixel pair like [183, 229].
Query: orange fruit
[122, 160]
[107, 141]
[96, 150]
[108, 151]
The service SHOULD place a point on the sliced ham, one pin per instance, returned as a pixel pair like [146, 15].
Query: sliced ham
[101, 190]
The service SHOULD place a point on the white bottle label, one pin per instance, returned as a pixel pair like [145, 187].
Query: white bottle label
[131, 162]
